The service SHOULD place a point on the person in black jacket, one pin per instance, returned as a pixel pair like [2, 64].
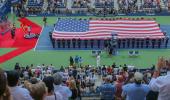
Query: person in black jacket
[79, 43]
[153, 43]
[166, 41]
[74, 43]
[13, 31]
[119, 43]
[58, 43]
[159, 43]
[128, 43]
[63, 43]
[85, 42]
[133, 43]
[91, 42]
[68, 43]
[147, 42]
[142, 43]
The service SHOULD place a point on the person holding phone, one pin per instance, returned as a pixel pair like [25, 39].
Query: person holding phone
[159, 83]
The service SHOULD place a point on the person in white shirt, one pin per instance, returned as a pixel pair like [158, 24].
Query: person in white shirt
[17, 92]
[98, 60]
[161, 84]
[64, 90]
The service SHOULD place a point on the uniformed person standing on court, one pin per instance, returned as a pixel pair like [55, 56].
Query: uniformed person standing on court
[166, 41]
[13, 31]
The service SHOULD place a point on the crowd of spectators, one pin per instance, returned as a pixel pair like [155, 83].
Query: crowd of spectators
[104, 3]
[97, 7]
[44, 82]
[81, 3]
[127, 6]
[4, 24]
[2, 2]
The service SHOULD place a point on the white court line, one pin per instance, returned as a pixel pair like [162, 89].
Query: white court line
[39, 38]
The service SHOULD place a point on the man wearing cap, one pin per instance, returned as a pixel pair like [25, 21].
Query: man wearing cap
[107, 89]
[136, 90]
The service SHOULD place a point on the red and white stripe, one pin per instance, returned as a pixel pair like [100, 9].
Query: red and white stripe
[102, 29]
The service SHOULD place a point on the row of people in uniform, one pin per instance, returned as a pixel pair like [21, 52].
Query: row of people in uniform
[120, 43]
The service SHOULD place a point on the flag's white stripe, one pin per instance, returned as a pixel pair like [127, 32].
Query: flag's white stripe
[119, 31]
[142, 26]
[121, 21]
[96, 37]
[116, 28]
[139, 34]
[140, 37]
[63, 32]
[112, 25]
[96, 34]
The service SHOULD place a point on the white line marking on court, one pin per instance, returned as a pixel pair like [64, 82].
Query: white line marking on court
[39, 38]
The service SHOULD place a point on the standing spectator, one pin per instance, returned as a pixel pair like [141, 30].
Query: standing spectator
[107, 89]
[17, 66]
[37, 91]
[64, 90]
[51, 95]
[119, 83]
[161, 84]
[74, 72]
[137, 90]
[17, 92]
[73, 88]
[4, 90]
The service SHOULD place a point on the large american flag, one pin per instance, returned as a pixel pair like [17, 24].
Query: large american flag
[103, 29]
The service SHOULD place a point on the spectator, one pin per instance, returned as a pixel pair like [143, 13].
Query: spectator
[137, 90]
[74, 72]
[65, 91]
[161, 84]
[17, 92]
[74, 90]
[17, 66]
[107, 89]
[37, 91]
[118, 84]
[4, 90]
[51, 95]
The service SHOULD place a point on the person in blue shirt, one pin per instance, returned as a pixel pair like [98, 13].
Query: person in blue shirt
[58, 87]
[136, 90]
[107, 89]
[17, 92]
[76, 60]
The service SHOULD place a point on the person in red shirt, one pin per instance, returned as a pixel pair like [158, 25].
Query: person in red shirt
[109, 70]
